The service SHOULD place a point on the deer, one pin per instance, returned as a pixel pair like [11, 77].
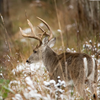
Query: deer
[80, 68]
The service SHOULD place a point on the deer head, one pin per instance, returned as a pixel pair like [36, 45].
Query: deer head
[44, 43]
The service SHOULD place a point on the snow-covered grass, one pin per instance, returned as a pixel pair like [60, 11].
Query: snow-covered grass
[33, 84]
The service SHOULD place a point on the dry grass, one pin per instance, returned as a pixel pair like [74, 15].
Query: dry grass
[21, 51]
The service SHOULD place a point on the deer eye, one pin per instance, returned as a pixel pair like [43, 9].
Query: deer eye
[35, 51]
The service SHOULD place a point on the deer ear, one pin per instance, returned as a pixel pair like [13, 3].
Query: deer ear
[45, 41]
[51, 43]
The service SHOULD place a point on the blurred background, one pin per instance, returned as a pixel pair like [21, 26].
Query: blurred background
[73, 22]
[79, 20]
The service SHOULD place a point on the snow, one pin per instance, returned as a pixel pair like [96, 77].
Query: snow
[29, 82]
[87, 46]
[30, 91]
[59, 30]
[70, 50]
[50, 82]
[32, 94]
[90, 41]
[17, 97]
[46, 83]
[1, 75]
[32, 67]
[98, 44]
[34, 82]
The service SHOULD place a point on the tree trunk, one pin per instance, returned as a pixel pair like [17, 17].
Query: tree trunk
[5, 25]
[4, 10]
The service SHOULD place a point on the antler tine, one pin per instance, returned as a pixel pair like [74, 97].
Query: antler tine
[44, 32]
[25, 35]
[31, 26]
[51, 35]
[29, 36]
[41, 29]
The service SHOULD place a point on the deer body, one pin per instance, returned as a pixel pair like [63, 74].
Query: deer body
[75, 64]
[78, 67]
[81, 68]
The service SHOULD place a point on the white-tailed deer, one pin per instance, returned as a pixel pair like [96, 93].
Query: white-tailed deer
[78, 67]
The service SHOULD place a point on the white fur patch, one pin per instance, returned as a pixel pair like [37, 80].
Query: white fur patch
[91, 77]
[85, 66]
[51, 42]
[51, 45]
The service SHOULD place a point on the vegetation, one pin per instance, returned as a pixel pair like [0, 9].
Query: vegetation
[73, 23]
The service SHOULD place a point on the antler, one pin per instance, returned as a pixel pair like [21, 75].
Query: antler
[34, 35]
[29, 36]
[51, 35]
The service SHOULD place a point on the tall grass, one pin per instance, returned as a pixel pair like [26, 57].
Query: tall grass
[15, 85]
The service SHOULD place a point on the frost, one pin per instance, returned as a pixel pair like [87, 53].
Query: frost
[17, 97]
[87, 46]
[46, 83]
[36, 66]
[14, 82]
[1, 75]
[29, 82]
[32, 67]
[68, 50]
[50, 82]
[98, 44]
[59, 30]
[90, 41]
[19, 68]
[32, 94]
[74, 51]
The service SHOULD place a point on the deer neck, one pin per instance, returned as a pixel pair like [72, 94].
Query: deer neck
[49, 58]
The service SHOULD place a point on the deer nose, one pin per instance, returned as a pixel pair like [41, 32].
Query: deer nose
[27, 61]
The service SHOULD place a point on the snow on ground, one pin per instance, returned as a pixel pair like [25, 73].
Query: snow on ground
[33, 83]
[28, 68]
